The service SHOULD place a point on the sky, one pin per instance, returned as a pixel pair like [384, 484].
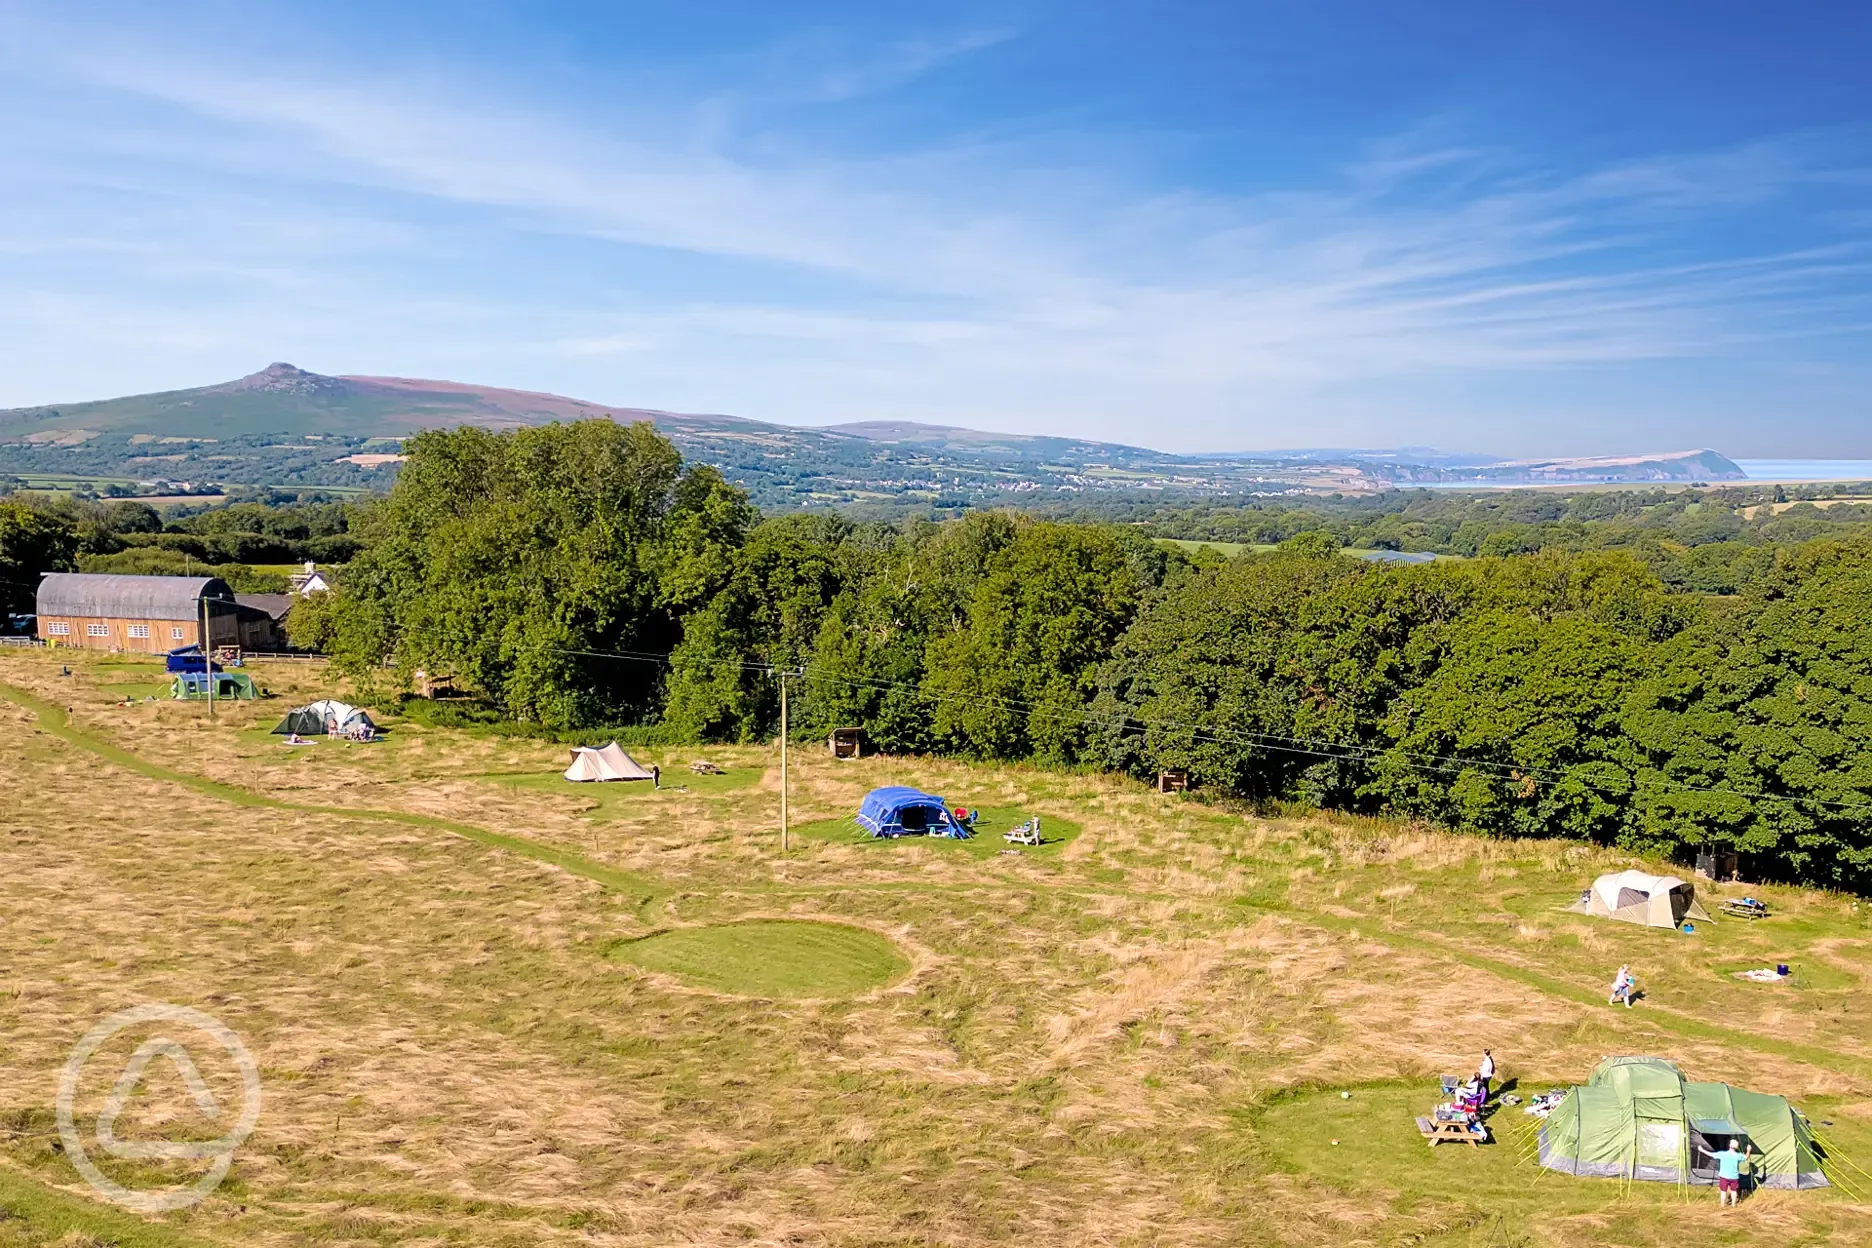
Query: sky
[1590, 228]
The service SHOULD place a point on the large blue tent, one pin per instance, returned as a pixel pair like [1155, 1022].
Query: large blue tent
[898, 810]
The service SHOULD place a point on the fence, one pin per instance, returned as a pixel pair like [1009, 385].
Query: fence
[20, 641]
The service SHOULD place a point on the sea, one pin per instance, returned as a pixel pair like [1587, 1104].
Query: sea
[1806, 469]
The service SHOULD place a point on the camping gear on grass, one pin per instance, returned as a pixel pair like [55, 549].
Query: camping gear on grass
[193, 686]
[1639, 1118]
[608, 762]
[1635, 897]
[326, 718]
[1745, 908]
[898, 810]
[1764, 975]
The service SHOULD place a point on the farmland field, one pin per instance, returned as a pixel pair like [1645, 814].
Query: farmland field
[492, 1008]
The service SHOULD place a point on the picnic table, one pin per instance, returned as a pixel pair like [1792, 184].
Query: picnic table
[1436, 1129]
[1744, 908]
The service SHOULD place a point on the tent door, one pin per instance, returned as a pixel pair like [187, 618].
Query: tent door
[1680, 905]
[1660, 1144]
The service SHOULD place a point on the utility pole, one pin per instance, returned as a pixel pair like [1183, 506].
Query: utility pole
[783, 763]
[207, 654]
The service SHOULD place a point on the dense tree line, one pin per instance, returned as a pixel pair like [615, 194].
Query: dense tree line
[1575, 679]
[581, 574]
[1715, 540]
[59, 533]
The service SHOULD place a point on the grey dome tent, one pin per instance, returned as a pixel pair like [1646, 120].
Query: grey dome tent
[1635, 897]
[315, 719]
[1639, 1118]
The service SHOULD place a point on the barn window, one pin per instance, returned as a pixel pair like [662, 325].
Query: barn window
[97, 630]
[175, 634]
[139, 630]
[60, 629]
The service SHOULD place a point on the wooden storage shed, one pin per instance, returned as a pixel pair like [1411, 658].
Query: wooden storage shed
[846, 742]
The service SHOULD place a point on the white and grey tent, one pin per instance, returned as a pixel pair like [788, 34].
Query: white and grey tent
[316, 718]
[1635, 897]
[608, 762]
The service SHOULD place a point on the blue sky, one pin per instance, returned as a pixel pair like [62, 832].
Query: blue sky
[1591, 228]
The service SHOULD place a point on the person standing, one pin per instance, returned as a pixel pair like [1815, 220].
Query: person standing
[1728, 1173]
[1622, 987]
[1485, 1075]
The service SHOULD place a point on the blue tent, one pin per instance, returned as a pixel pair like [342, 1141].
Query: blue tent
[898, 810]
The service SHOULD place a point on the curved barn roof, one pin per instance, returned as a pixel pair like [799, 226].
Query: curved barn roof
[113, 596]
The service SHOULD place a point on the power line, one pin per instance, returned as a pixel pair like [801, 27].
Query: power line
[1273, 742]
[1205, 733]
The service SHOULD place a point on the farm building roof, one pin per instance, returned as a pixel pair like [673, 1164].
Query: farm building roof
[97, 595]
[275, 605]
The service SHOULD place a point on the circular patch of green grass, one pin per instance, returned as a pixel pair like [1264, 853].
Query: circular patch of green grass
[790, 958]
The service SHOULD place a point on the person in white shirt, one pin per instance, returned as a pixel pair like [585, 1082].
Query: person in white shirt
[1485, 1074]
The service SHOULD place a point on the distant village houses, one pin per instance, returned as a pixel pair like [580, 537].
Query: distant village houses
[310, 581]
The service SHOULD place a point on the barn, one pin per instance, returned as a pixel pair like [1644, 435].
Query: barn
[152, 614]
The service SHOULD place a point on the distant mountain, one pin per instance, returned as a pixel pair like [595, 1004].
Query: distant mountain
[1703, 465]
[286, 426]
[282, 399]
[1425, 456]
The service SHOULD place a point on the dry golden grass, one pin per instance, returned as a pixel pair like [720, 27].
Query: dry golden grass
[1081, 1053]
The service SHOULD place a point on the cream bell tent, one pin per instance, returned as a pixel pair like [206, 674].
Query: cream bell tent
[1634, 897]
[607, 763]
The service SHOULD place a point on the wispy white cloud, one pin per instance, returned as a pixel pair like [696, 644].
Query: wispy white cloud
[967, 275]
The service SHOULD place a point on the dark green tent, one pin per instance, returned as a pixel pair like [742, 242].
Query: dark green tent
[304, 722]
[1639, 1118]
[193, 686]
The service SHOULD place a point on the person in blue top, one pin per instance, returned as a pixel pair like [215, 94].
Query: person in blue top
[1728, 1172]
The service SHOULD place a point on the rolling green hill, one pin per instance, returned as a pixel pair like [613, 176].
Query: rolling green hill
[284, 426]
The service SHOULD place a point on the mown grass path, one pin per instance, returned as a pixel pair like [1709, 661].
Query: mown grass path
[55, 721]
[1658, 1017]
[650, 893]
[67, 1210]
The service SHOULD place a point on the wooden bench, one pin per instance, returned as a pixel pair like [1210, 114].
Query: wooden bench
[1436, 1130]
[1741, 910]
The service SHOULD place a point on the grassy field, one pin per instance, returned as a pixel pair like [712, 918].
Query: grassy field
[490, 1007]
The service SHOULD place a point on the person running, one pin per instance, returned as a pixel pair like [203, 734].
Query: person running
[1728, 1173]
[1622, 984]
[1485, 1075]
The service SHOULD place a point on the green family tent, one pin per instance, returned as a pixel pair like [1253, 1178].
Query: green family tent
[228, 686]
[1639, 1118]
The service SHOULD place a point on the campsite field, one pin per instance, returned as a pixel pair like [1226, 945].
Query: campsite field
[492, 1008]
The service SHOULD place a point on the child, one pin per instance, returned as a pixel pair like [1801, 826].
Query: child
[1622, 987]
